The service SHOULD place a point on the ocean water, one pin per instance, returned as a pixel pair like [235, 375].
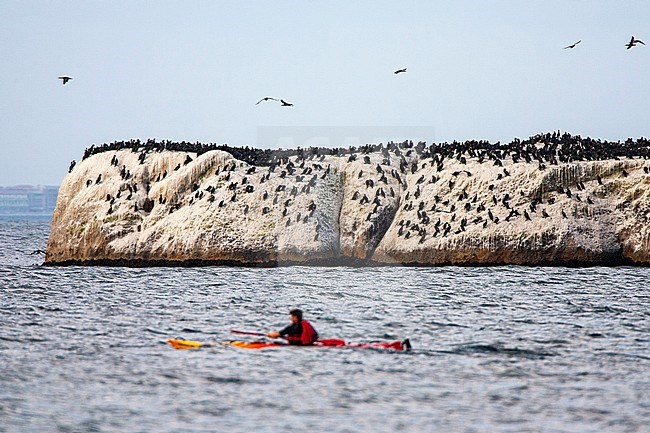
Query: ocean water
[495, 349]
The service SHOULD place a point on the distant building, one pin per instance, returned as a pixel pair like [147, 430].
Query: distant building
[28, 200]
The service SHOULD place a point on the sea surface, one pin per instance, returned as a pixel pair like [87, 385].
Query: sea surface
[496, 349]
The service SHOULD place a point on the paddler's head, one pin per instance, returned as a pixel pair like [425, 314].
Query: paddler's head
[296, 315]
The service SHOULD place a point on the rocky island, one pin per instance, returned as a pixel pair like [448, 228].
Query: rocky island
[552, 199]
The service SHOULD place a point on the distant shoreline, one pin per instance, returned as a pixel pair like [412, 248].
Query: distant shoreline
[26, 216]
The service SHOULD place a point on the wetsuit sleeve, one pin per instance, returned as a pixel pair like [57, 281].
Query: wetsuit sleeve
[288, 330]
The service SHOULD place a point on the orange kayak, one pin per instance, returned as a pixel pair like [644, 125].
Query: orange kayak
[331, 342]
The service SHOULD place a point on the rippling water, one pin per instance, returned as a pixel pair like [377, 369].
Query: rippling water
[496, 349]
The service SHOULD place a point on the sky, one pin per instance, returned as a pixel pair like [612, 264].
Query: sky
[193, 71]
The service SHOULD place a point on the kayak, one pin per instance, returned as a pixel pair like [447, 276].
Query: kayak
[334, 342]
[331, 342]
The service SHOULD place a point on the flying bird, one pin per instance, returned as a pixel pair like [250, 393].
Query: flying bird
[268, 98]
[399, 71]
[572, 45]
[633, 43]
[285, 103]
[66, 79]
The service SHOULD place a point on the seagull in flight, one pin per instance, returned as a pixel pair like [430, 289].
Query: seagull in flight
[285, 103]
[572, 45]
[65, 79]
[268, 98]
[633, 43]
[399, 71]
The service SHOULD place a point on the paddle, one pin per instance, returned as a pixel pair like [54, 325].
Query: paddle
[259, 334]
[188, 344]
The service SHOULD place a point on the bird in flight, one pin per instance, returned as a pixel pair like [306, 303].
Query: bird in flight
[572, 45]
[285, 103]
[399, 71]
[633, 43]
[65, 79]
[268, 98]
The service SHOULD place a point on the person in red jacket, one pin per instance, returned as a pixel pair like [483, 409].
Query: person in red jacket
[299, 333]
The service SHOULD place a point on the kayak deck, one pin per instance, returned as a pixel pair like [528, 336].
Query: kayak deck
[332, 342]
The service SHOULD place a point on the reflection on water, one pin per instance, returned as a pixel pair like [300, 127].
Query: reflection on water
[496, 349]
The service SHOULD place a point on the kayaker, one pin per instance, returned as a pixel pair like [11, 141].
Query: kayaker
[299, 333]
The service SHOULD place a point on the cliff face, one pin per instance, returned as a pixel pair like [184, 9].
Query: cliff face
[177, 207]
[523, 218]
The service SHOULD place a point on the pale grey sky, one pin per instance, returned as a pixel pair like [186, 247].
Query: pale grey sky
[194, 71]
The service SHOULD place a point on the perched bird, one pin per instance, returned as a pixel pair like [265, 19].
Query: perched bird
[399, 71]
[629, 45]
[65, 79]
[285, 103]
[572, 45]
[268, 98]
